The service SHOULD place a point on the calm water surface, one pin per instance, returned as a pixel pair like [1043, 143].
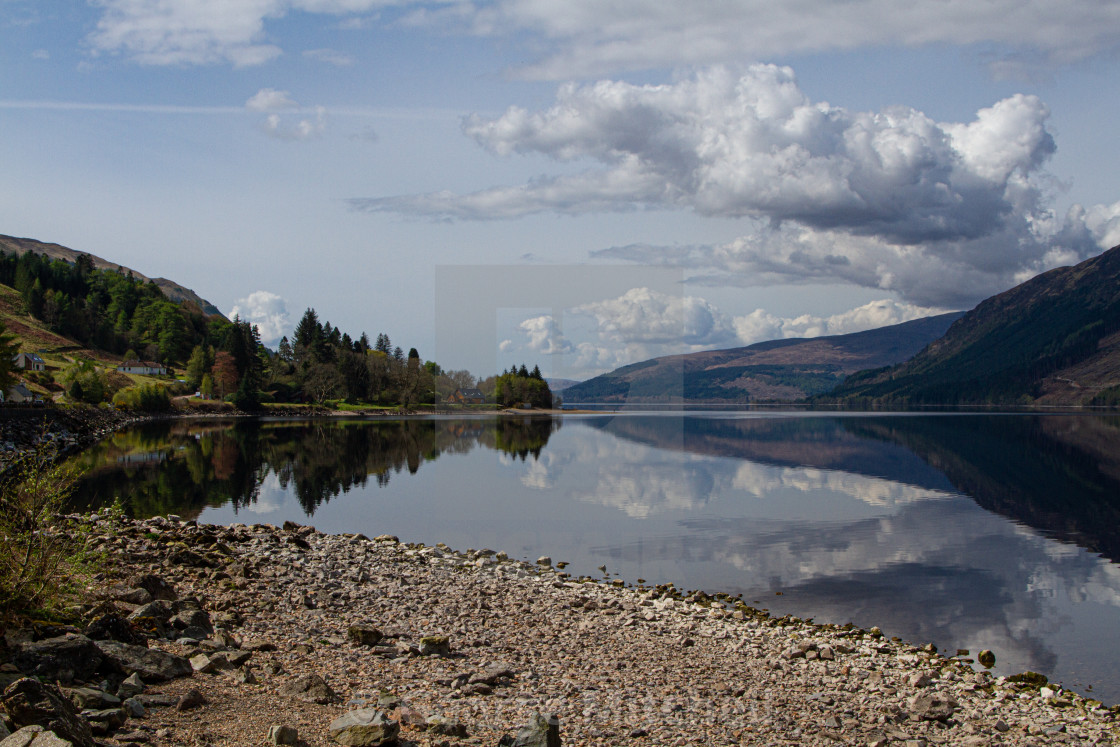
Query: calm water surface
[968, 531]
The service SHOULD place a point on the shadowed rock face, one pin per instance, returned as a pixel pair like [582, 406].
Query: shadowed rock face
[30, 702]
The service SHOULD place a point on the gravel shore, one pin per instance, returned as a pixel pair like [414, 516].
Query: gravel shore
[465, 647]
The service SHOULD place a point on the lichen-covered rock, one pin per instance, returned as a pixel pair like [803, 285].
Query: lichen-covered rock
[365, 727]
[435, 645]
[364, 635]
[542, 731]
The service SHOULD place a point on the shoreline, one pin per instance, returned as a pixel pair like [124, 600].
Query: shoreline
[486, 642]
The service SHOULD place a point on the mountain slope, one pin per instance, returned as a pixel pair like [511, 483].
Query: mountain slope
[774, 370]
[1055, 339]
[170, 288]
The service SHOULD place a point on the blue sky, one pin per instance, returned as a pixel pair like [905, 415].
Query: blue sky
[637, 178]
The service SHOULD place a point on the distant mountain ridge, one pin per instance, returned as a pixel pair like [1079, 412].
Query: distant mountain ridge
[775, 370]
[1053, 340]
[170, 288]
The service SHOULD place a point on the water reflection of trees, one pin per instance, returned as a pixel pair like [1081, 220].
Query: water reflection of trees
[181, 468]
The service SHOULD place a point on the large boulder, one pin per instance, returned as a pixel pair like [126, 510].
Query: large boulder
[29, 702]
[152, 664]
[932, 706]
[364, 727]
[66, 658]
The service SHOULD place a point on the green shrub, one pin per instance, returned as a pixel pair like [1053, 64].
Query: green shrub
[40, 561]
[147, 398]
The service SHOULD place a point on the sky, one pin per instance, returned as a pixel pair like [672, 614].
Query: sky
[578, 184]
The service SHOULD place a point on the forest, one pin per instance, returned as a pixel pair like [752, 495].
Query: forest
[115, 312]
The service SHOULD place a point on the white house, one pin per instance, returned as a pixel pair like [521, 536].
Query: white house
[29, 362]
[147, 368]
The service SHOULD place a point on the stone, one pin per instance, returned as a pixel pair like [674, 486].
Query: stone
[65, 658]
[157, 587]
[364, 635]
[311, 688]
[542, 731]
[446, 727]
[29, 702]
[88, 697]
[107, 719]
[130, 686]
[116, 628]
[919, 679]
[190, 699]
[364, 727]
[152, 664]
[278, 734]
[544, 561]
[435, 645]
[23, 737]
[986, 658]
[203, 664]
[160, 610]
[134, 708]
[1029, 678]
[932, 706]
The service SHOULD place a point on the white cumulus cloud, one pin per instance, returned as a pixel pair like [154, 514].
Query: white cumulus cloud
[269, 99]
[268, 311]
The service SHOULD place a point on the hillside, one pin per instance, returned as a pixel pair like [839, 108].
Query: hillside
[170, 288]
[1053, 340]
[767, 371]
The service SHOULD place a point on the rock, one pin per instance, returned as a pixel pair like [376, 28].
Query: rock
[244, 675]
[932, 706]
[491, 675]
[364, 635]
[132, 737]
[446, 727]
[88, 697]
[435, 645]
[134, 708]
[29, 702]
[542, 731]
[157, 587]
[283, 735]
[919, 679]
[131, 686]
[365, 727]
[203, 664]
[191, 699]
[1029, 678]
[152, 664]
[544, 561]
[311, 688]
[986, 658]
[115, 628]
[35, 736]
[160, 610]
[105, 720]
[65, 658]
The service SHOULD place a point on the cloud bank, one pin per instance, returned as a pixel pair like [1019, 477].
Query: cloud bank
[582, 38]
[642, 324]
[941, 213]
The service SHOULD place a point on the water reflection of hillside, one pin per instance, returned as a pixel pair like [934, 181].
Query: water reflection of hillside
[182, 467]
[1057, 474]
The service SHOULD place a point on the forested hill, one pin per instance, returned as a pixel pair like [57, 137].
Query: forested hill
[1055, 339]
[776, 370]
[169, 288]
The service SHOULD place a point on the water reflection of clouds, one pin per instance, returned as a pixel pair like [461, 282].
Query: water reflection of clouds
[926, 563]
[764, 481]
[270, 497]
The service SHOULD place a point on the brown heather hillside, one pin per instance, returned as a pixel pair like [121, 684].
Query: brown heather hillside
[767, 371]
